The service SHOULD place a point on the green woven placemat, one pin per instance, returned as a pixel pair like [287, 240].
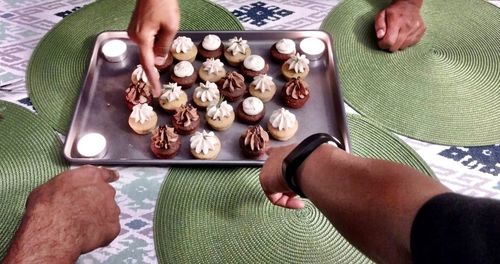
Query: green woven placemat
[221, 215]
[58, 64]
[444, 90]
[30, 154]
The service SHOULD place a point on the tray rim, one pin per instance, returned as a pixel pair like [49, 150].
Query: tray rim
[341, 116]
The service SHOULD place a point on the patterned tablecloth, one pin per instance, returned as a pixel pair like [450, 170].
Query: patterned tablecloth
[471, 171]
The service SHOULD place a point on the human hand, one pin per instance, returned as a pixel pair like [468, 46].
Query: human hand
[272, 182]
[77, 206]
[153, 27]
[399, 25]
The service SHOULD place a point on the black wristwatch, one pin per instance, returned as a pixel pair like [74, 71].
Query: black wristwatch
[300, 153]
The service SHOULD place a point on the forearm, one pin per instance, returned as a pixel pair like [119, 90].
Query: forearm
[418, 3]
[371, 202]
[37, 242]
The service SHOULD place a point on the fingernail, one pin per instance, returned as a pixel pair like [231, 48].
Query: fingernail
[380, 33]
[160, 60]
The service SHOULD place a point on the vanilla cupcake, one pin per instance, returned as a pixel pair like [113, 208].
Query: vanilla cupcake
[283, 50]
[205, 94]
[142, 119]
[212, 70]
[139, 76]
[220, 115]
[184, 74]
[211, 47]
[172, 97]
[205, 145]
[237, 50]
[254, 65]
[282, 124]
[295, 67]
[263, 87]
[183, 49]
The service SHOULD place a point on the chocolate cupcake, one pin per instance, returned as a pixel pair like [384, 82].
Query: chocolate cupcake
[165, 142]
[283, 50]
[139, 93]
[211, 47]
[295, 93]
[184, 74]
[168, 62]
[295, 67]
[251, 110]
[232, 86]
[254, 65]
[254, 142]
[186, 119]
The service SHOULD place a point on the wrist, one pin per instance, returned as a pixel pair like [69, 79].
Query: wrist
[417, 3]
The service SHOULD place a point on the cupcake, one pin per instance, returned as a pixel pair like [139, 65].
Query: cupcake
[139, 93]
[237, 50]
[206, 94]
[263, 87]
[212, 70]
[295, 93]
[295, 67]
[220, 116]
[184, 74]
[251, 110]
[254, 142]
[205, 145]
[283, 50]
[142, 119]
[168, 62]
[282, 124]
[165, 142]
[254, 65]
[211, 47]
[139, 76]
[172, 97]
[232, 86]
[183, 49]
[186, 119]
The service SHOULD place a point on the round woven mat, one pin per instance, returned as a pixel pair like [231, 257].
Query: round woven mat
[220, 215]
[59, 62]
[30, 154]
[444, 90]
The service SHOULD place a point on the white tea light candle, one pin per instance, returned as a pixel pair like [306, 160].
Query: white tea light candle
[91, 145]
[312, 47]
[114, 50]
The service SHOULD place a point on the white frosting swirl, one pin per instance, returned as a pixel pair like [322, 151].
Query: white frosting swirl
[298, 63]
[254, 63]
[237, 45]
[285, 46]
[183, 69]
[139, 75]
[211, 42]
[141, 113]
[216, 111]
[203, 142]
[207, 92]
[252, 106]
[182, 44]
[263, 82]
[172, 92]
[282, 119]
[213, 66]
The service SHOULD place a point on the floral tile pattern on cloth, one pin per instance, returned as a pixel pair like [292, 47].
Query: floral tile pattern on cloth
[484, 159]
[259, 13]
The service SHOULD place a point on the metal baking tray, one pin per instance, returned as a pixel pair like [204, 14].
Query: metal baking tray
[101, 107]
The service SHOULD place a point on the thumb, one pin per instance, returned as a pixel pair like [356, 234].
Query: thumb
[380, 24]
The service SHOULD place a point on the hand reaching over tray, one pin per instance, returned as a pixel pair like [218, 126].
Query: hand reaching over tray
[73, 213]
[399, 25]
[153, 27]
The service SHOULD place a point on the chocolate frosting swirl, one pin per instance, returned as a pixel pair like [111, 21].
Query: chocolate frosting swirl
[297, 89]
[137, 93]
[185, 115]
[233, 81]
[256, 138]
[164, 137]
